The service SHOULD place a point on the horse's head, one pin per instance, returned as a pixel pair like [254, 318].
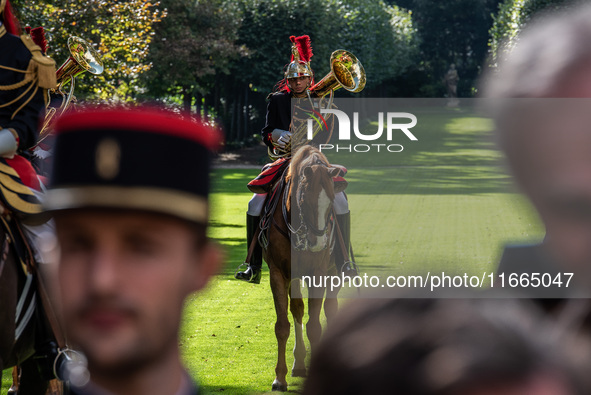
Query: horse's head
[314, 194]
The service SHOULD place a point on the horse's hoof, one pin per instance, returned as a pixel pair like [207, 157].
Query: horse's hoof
[12, 391]
[277, 386]
[298, 373]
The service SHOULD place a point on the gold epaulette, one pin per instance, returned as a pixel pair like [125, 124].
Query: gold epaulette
[43, 66]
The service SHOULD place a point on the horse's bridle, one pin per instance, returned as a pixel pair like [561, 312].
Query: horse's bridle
[301, 242]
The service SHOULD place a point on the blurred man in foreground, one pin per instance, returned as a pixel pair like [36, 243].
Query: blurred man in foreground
[443, 347]
[129, 196]
[542, 108]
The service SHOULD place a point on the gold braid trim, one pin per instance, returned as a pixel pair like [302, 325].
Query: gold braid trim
[14, 86]
[13, 69]
[31, 83]
[26, 101]
[2, 27]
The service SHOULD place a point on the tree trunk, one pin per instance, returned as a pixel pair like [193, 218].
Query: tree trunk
[198, 105]
[187, 99]
[245, 134]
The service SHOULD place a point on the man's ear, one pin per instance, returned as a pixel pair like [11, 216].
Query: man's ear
[210, 260]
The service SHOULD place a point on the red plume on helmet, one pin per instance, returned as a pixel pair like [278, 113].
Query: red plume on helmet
[38, 36]
[301, 53]
[304, 46]
[9, 20]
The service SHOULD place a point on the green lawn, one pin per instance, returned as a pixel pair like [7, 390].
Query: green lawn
[444, 203]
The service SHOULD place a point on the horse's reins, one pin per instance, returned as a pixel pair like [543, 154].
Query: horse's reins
[58, 333]
[283, 186]
[346, 254]
[305, 225]
[5, 250]
[303, 221]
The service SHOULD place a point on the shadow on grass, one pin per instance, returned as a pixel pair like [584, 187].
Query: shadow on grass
[217, 224]
[429, 180]
[231, 180]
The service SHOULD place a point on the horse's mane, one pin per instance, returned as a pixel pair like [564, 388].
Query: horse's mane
[305, 156]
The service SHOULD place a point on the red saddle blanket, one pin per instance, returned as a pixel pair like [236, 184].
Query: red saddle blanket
[271, 173]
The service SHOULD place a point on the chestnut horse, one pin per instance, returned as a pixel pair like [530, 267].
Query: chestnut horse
[27, 340]
[300, 231]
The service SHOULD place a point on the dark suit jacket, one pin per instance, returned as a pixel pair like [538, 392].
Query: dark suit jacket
[278, 115]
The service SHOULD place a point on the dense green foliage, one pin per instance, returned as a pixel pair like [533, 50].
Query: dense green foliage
[226, 56]
[511, 18]
[193, 44]
[121, 32]
[221, 58]
[450, 32]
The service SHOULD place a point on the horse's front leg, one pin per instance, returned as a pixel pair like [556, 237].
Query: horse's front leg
[15, 379]
[313, 327]
[331, 303]
[279, 287]
[297, 311]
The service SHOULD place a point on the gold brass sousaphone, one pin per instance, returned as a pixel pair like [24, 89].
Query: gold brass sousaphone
[82, 58]
[347, 72]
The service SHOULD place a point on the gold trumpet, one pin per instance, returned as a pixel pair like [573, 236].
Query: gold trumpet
[82, 58]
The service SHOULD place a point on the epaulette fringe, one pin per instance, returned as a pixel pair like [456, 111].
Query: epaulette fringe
[43, 66]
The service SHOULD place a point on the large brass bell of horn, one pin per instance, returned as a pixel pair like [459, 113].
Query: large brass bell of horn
[346, 71]
[82, 58]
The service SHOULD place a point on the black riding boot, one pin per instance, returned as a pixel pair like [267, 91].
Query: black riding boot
[344, 263]
[252, 274]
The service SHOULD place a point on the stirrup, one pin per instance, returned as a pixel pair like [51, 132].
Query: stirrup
[349, 268]
[255, 274]
[240, 271]
[239, 266]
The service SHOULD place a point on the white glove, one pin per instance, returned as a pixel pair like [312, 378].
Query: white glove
[8, 144]
[281, 137]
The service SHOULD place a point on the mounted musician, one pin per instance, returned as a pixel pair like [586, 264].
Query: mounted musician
[28, 79]
[288, 108]
[26, 75]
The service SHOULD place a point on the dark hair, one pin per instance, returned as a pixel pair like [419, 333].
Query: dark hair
[431, 347]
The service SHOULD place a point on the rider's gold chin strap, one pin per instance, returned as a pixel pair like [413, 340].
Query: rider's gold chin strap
[300, 95]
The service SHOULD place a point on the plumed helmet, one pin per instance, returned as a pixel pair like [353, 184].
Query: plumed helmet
[301, 53]
[8, 19]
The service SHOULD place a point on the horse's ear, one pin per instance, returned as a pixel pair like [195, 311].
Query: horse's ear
[334, 172]
[340, 185]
